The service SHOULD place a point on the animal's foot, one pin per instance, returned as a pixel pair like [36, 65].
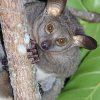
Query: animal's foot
[32, 52]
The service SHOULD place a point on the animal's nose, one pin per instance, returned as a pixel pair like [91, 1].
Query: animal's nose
[46, 44]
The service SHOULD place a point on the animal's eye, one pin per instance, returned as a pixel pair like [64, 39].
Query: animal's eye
[50, 28]
[61, 41]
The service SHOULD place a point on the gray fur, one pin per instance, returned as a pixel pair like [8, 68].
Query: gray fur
[2, 55]
[58, 62]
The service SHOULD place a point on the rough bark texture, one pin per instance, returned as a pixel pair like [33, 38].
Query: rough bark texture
[14, 31]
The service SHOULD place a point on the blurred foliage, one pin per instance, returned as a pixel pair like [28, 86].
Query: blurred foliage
[85, 83]
[92, 5]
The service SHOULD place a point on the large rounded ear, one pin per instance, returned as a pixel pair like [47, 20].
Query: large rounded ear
[55, 7]
[85, 41]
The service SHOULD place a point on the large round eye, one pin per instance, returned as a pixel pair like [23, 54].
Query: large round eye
[61, 41]
[49, 28]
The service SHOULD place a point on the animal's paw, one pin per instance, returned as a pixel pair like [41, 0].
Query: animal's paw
[32, 52]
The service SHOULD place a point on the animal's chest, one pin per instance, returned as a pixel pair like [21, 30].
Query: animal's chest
[45, 80]
[42, 75]
[61, 63]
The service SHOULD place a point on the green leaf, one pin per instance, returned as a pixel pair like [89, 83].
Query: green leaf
[85, 83]
[76, 4]
[92, 5]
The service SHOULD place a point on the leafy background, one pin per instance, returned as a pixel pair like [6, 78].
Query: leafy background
[85, 83]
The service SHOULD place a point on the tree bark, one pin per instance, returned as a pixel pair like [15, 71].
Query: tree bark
[15, 34]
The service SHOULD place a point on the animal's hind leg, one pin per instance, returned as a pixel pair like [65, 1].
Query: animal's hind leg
[53, 93]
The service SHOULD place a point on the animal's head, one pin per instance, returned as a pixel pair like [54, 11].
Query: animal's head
[52, 33]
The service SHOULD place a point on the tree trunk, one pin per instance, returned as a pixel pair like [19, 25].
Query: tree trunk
[15, 34]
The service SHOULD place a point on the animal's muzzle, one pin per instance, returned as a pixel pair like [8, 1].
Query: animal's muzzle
[46, 44]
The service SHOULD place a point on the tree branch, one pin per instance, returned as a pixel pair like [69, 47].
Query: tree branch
[16, 41]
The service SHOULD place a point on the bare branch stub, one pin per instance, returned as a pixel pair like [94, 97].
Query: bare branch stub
[14, 32]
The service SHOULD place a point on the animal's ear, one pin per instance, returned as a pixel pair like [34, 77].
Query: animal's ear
[55, 7]
[85, 41]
